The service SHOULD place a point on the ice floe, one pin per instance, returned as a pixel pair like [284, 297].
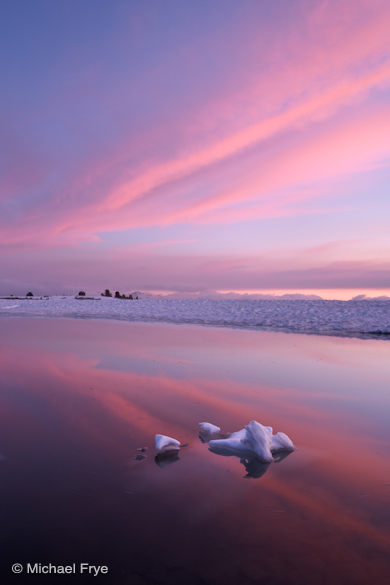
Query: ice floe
[166, 444]
[207, 431]
[254, 440]
[209, 428]
[281, 442]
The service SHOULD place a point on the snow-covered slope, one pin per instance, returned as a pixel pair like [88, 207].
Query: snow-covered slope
[346, 318]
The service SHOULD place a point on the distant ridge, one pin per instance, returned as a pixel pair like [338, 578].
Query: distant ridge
[366, 298]
[215, 295]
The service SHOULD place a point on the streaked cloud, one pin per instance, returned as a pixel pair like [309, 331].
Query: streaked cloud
[278, 114]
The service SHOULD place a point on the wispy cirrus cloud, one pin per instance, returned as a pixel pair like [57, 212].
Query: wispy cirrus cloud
[317, 107]
[256, 118]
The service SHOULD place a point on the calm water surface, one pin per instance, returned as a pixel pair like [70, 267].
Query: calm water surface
[79, 397]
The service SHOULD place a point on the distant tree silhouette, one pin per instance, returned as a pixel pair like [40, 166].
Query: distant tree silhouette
[81, 293]
[106, 293]
[117, 294]
[29, 294]
[131, 297]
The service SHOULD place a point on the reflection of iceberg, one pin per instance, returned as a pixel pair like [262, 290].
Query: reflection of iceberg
[166, 458]
[254, 467]
[166, 444]
[280, 455]
[255, 440]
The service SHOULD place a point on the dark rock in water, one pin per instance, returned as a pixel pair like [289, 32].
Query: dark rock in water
[139, 457]
[142, 449]
[166, 458]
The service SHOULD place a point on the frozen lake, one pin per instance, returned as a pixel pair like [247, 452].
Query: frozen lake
[365, 319]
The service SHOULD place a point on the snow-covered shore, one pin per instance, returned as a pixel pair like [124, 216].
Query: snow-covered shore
[341, 318]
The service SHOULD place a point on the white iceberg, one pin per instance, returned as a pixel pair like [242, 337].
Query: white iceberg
[164, 443]
[259, 438]
[253, 440]
[234, 445]
[281, 442]
[208, 431]
[209, 428]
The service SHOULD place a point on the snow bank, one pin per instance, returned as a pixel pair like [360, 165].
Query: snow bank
[343, 318]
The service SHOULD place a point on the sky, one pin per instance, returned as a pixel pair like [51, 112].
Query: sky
[195, 146]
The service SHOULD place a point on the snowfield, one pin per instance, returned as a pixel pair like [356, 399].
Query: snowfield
[342, 318]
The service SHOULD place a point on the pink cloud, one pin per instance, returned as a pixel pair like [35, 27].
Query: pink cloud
[302, 107]
[129, 270]
[317, 107]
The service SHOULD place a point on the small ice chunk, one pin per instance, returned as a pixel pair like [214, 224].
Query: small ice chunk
[209, 428]
[164, 443]
[259, 438]
[208, 431]
[282, 442]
